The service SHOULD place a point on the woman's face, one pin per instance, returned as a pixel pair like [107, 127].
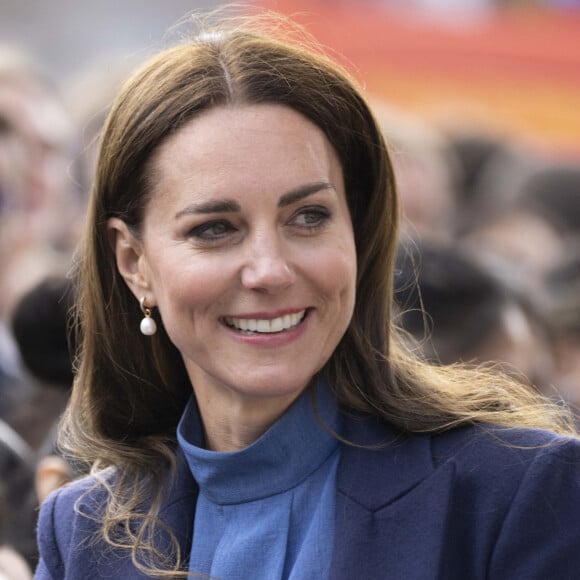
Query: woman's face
[248, 251]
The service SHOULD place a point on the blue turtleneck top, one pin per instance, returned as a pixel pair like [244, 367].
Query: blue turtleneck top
[267, 511]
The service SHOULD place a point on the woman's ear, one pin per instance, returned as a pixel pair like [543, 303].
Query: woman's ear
[131, 261]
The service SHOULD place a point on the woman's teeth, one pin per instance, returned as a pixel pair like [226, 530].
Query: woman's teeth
[266, 326]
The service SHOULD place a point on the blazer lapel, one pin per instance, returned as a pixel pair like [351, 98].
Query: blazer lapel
[178, 514]
[392, 505]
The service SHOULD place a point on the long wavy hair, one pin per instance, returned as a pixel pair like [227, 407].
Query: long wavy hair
[130, 391]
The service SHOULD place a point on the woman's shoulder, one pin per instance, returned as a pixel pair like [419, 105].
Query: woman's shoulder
[481, 456]
[501, 463]
[88, 490]
[61, 511]
[482, 469]
[486, 444]
[374, 432]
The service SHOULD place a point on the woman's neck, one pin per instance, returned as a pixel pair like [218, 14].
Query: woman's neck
[232, 423]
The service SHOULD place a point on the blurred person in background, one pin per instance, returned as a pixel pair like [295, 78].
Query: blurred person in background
[495, 220]
[458, 310]
[40, 215]
[563, 285]
[89, 95]
[553, 191]
[475, 152]
[39, 224]
[12, 566]
[426, 170]
[41, 193]
[32, 466]
[517, 241]
[46, 342]
[18, 505]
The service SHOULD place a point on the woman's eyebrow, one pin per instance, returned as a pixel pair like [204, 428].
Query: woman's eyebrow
[303, 191]
[210, 206]
[231, 206]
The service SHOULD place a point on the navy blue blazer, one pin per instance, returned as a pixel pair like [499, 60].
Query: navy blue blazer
[473, 503]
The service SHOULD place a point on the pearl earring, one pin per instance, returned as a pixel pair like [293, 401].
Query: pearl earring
[147, 326]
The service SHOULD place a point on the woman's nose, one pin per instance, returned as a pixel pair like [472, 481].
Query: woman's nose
[267, 267]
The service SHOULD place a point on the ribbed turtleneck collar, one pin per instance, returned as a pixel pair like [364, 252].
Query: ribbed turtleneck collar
[288, 452]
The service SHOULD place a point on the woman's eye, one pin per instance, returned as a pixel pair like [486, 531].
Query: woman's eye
[311, 217]
[211, 230]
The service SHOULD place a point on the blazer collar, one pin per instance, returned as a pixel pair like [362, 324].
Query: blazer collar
[178, 513]
[392, 505]
[383, 464]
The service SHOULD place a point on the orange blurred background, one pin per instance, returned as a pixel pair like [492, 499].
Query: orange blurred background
[513, 71]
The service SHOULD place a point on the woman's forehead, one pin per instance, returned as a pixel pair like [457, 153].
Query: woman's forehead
[224, 143]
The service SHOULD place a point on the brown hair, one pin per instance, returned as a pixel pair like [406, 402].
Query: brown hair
[129, 392]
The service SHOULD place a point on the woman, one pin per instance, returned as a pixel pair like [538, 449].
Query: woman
[266, 422]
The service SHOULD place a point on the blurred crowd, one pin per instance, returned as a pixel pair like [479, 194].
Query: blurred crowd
[489, 262]
[488, 267]
[47, 153]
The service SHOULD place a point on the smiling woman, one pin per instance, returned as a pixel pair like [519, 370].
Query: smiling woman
[270, 236]
[268, 422]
